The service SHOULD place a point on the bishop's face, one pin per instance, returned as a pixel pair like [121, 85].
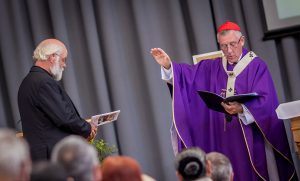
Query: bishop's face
[232, 46]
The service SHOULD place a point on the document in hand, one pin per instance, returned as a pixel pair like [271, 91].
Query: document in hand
[213, 101]
[105, 118]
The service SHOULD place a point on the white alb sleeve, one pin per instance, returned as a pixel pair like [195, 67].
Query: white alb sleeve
[167, 74]
[246, 116]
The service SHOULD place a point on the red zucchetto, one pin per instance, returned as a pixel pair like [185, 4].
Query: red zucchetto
[229, 26]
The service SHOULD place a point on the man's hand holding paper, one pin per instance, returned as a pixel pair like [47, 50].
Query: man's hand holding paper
[93, 132]
[105, 118]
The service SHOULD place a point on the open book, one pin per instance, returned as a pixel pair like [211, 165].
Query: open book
[105, 118]
[213, 101]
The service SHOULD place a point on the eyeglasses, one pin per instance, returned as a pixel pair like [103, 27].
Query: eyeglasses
[232, 45]
[62, 59]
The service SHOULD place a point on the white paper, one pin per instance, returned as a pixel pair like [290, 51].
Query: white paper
[288, 110]
[105, 118]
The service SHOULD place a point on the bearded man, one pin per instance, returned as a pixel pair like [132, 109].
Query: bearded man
[47, 112]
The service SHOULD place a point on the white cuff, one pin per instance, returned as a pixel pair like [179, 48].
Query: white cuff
[246, 116]
[167, 74]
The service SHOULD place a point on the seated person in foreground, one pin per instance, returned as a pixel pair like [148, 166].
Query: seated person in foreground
[15, 162]
[78, 158]
[191, 165]
[122, 168]
[221, 169]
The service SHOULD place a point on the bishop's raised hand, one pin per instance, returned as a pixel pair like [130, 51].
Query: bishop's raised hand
[161, 57]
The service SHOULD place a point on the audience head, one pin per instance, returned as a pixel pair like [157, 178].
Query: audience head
[120, 168]
[191, 164]
[47, 171]
[15, 162]
[51, 55]
[78, 158]
[221, 169]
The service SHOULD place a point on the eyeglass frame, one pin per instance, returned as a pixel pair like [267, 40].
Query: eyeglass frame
[232, 44]
[63, 60]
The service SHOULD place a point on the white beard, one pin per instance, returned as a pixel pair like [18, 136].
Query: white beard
[56, 70]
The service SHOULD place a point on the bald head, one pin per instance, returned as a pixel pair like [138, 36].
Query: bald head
[51, 55]
[49, 47]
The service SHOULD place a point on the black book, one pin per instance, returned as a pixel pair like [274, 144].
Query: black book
[213, 101]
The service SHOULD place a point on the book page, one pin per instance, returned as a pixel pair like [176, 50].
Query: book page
[105, 118]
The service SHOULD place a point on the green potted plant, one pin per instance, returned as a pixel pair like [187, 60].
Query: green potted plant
[103, 148]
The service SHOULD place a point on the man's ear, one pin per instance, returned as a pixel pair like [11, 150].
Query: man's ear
[25, 170]
[180, 178]
[97, 173]
[208, 168]
[231, 176]
[242, 40]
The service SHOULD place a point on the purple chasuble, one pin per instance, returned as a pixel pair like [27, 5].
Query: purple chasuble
[196, 125]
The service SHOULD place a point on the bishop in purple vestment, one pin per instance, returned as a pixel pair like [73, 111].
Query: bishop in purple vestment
[255, 134]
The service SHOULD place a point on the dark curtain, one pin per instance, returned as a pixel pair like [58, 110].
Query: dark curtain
[109, 66]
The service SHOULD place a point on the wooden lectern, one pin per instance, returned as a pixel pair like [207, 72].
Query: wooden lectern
[291, 110]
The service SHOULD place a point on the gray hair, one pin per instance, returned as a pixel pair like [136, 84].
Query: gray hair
[76, 156]
[191, 163]
[221, 166]
[45, 49]
[14, 155]
[238, 34]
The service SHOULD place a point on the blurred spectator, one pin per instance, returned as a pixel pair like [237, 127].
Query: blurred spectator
[15, 162]
[191, 165]
[121, 168]
[78, 158]
[221, 169]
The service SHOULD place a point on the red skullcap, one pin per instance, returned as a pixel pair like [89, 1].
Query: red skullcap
[229, 26]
